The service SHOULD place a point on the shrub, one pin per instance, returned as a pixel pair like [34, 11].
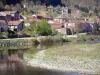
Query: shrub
[34, 41]
[43, 28]
[3, 35]
[86, 38]
[25, 12]
[52, 40]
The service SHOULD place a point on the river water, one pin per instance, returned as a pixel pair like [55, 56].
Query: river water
[44, 60]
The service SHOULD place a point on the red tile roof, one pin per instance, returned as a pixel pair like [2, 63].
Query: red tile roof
[10, 23]
[56, 25]
[3, 21]
[6, 13]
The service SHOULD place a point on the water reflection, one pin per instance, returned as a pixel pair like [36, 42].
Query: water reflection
[12, 63]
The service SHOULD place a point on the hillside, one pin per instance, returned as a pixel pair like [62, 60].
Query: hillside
[81, 4]
[86, 3]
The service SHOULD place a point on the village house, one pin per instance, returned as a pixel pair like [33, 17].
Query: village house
[59, 27]
[68, 25]
[50, 9]
[71, 26]
[11, 25]
[3, 26]
[19, 25]
[11, 20]
[80, 26]
[64, 10]
[37, 18]
[60, 19]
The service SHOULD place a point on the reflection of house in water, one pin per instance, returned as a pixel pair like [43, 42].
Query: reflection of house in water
[10, 62]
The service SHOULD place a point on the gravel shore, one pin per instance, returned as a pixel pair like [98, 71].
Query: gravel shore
[64, 63]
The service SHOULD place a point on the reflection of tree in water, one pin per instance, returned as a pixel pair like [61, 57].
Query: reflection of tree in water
[11, 63]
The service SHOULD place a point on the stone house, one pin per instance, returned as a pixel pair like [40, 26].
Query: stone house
[19, 25]
[61, 19]
[74, 27]
[3, 26]
[10, 15]
[50, 8]
[70, 28]
[59, 27]
[11, 20]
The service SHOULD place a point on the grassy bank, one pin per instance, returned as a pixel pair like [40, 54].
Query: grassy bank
[48, 40]
[14, 42]
[86, 38]
[52, 40]
[64, 39]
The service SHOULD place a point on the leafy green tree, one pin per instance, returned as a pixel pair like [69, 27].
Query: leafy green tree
[43, 28]
[84, 9]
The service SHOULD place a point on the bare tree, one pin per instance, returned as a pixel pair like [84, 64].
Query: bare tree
[13, 8]
[7, 7]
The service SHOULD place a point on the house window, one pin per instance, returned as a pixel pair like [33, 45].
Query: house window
[12, 27]
[15, 27]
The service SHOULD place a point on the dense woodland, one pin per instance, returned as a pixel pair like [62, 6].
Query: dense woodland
[82, 3]
[86, 5]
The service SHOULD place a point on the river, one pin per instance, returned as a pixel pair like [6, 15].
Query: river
[63, 59]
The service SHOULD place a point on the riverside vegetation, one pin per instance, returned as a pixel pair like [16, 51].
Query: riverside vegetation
[49, 40]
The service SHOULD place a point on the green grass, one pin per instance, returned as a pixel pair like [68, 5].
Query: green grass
[91, 51]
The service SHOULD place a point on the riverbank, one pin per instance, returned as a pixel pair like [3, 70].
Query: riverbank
[79, 55]
[46, 40]
[31, 41]
[80, 58]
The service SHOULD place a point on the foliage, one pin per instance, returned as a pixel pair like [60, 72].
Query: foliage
[7, 7]
[30, 29]
[3, 35]
[18, 7]
[83, 9]
[53, 40]
[25, 12]
[43, 28]
[13, 8]
[84, 5]
[87, 38]
[34, 41]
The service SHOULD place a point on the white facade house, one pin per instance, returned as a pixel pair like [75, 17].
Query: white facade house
[60, 19]
[69, 24]
[27, 24]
